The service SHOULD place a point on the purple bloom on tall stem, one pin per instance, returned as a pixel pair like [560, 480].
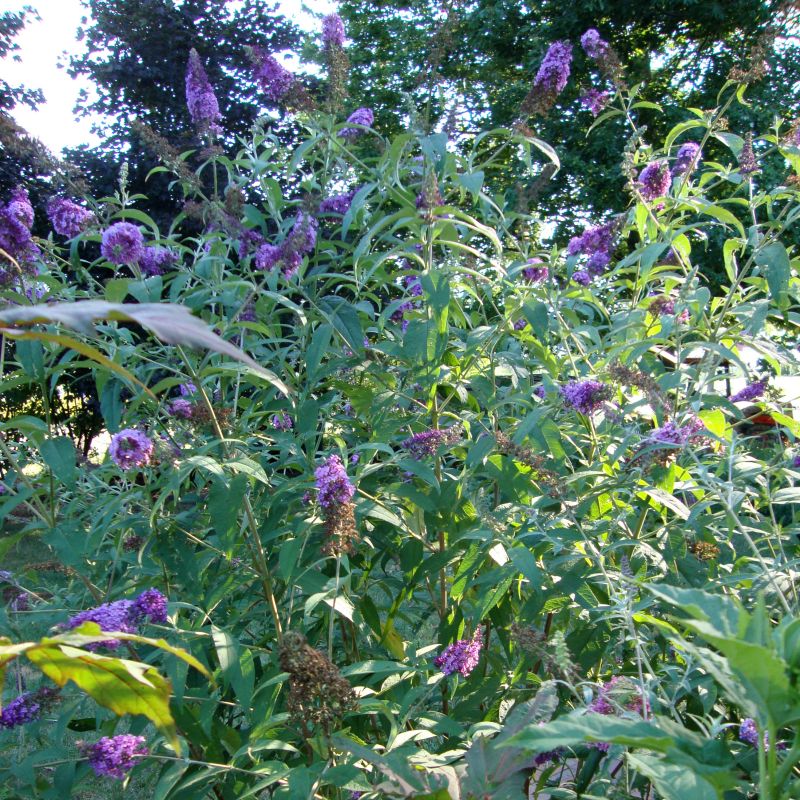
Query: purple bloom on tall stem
[332, 31]
[337, 203]
[686, 159]
[750, 392]
[361, 116]
[115, 756]
[122, 243]
[16, 219]
[676, 435]
[274, 79]
[27, 707]
[130, 448]
[68, 218]
[594, 46]
[115, 616]
[268, 256]
[427, 443]
[333, 485]
[654, 180]
[200, 98]
[550, 80]
[155, 260]
[461, 656]
[303, 237]
[665, 306]
[582, 277]
[150, 604]
[282, 421]
[180, 407]
[187, 389]
[585, 396]
[595, 100]
[536, 271]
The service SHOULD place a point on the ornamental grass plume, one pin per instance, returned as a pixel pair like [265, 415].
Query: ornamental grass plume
[68, 218]
[200, 98]
[319, 696]
[122, 243]
[130, 448]
[115, 756]
[550, 79]
[461, 656]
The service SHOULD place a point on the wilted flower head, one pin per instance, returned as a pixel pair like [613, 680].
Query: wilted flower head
[200, 98]
[593, 45]
[585, 396]
[361, 116]
[550, 79]
[461, 656]
[122, 243]
[654, 180]
[750, 392]
[155, 260]
[747, 157]
[68, 218]
[130, 448]
[273, 78]
[115, 756]
[332, 31]
[333, 485]
[686, 159]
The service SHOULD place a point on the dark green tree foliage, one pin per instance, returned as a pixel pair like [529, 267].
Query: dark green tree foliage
[136, 55]
[490, 51]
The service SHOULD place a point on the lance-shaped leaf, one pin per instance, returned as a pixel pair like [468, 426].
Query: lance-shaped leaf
[170, 322]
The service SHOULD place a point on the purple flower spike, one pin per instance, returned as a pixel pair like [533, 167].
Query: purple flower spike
[282, 422]
[114, 756]
[750, 392]
[332, 31]
[114, 616]
[333, 485]
[536, 271]
[654, 180]
[361, 116]
[686, 160]
[273, 78]
[461, 656]
[267, 256]
[554, 70]
[585, 396]
[122, 243]
[595, 100]
[130, 448]
[582, 277]
[27, 707]
[16, 220]
[155, 260]
[150, 604]
[68, 218]
[593, 45]
[200, 98]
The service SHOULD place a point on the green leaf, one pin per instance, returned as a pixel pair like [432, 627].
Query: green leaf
[672, 781]
[777, 267]
[59, 454]
[122, 686]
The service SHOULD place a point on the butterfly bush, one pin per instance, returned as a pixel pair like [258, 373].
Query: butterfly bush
[534, 408]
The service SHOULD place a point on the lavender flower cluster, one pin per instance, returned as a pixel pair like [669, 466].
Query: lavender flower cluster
[124, 616]
[361, 116]
[585, 396]
[427, 443]
[200, 98]
[686, 159]
[122, 243]
[595, 100]
[115, 756]
[675, 435]
[654, 180]
[332, 31]
[413, 287]
[750, 392]
[597, 243]
[68, 218]
[27, 707]
[274, 79]
[333, 486]
[665, 306]
[461, 656]
[302, 239]
[16, 220]
[131, 448]
[282, 422]
[338, 203]
[536, 271]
